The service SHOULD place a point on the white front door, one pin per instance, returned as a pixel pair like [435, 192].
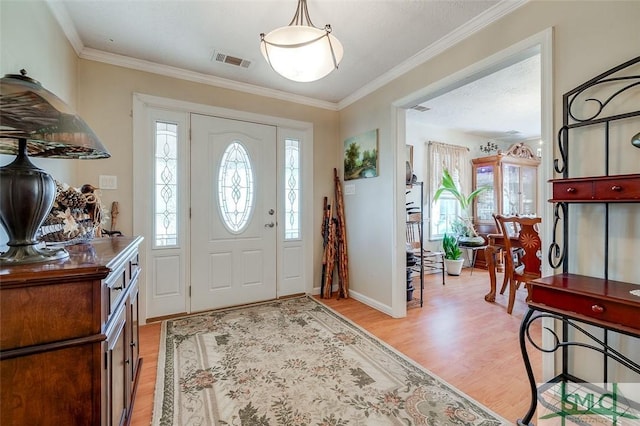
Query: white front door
[233, 212]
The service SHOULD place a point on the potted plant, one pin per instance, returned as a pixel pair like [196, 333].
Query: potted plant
[463, 225]
[452, 255]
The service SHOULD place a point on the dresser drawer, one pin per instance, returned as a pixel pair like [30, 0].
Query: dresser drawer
[134, 266]
[38, 314]
[618, 189]
[115, 286]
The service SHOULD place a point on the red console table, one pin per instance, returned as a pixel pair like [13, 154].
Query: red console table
[573, 299]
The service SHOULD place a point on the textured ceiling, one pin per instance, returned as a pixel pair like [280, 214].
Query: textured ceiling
[381, 38]
[503, 106]
[377, 35]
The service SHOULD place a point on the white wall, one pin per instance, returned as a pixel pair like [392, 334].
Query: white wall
[589, 38]
[31, 39]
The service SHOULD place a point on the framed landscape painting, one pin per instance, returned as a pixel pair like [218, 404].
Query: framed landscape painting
[361, 156]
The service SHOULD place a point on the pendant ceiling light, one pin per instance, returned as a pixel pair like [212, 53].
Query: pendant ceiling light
[300, 51]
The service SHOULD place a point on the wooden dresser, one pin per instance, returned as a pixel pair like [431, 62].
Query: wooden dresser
[69, 337]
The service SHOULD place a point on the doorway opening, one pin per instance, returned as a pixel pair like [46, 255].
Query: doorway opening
[538, 45]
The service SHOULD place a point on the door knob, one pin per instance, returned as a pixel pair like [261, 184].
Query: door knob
[269, 225]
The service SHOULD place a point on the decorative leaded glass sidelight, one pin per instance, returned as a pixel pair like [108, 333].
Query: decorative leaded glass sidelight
[165, 227]
[235, 187]
[292, 189]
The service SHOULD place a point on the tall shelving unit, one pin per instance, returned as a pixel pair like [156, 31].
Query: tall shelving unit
[426, 260]
[574, 299]
[415, 222]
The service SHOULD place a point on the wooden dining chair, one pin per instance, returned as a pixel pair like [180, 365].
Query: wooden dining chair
[523, 260]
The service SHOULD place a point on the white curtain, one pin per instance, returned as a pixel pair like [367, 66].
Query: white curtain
[453, 158]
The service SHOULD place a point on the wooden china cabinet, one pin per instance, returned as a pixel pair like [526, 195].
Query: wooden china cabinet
[513, 179]
[69, 339]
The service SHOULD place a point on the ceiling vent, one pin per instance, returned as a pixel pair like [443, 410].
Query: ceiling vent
[230, 60]
[420, 108]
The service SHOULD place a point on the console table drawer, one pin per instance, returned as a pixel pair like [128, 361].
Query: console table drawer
[598, 189]
[618, 189]
[572, 190]
[603, 301]
[589, 307]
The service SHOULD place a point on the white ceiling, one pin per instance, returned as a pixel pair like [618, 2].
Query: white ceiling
[382, 39]
[503, 106]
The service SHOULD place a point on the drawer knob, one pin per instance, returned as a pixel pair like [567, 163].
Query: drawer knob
[616, 188]
[571, 190]
[597, 309]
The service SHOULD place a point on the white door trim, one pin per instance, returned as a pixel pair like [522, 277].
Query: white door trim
[142, 200]
[542, 40]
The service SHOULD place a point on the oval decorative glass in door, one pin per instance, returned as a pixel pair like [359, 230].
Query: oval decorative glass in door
[235, 187]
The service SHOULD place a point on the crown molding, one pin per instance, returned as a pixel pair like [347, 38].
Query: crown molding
[481, 21]
[60, 13]
[486, 18]
[196, 77]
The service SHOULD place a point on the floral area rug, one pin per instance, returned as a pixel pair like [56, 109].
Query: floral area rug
[296, 362]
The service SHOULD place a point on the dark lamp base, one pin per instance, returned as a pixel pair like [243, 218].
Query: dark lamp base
[31, 254]
[26, 196]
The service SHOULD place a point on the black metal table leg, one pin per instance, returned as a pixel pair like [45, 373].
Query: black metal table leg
[526, 420]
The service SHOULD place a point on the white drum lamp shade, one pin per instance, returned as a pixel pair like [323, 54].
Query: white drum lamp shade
[300, 51]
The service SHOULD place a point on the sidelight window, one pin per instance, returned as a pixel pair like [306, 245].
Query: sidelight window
[165, 225]
[292, 189]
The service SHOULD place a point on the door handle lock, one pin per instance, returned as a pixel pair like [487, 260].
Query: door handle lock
[271, 211]
[269, 225]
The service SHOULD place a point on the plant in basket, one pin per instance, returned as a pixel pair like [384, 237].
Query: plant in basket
[75, 217]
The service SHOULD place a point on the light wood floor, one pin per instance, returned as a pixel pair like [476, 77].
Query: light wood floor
[469, 343]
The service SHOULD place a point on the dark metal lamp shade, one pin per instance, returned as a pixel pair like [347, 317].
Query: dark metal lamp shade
[35, 122]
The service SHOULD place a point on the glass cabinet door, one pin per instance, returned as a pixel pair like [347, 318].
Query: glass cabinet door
[529, 190]
[510, 189]
[485, 206]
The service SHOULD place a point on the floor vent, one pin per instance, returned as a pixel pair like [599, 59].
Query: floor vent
[230, 60]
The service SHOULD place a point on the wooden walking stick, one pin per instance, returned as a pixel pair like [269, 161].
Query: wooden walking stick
[330, 254]
[343, 260]
[326, 223]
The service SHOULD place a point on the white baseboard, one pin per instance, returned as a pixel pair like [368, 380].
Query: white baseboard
[362, 298]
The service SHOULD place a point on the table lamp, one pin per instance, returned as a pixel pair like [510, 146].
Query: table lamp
[35, 122]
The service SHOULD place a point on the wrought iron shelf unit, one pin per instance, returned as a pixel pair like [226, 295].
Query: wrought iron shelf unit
[418, 222]
[573, 299]
[425, 260]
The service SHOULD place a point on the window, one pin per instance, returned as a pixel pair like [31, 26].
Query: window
[235, 187]
[165, 225]
[444, 213]
[292, 189]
